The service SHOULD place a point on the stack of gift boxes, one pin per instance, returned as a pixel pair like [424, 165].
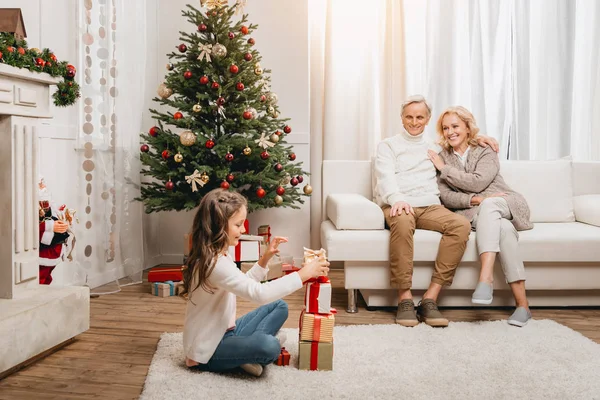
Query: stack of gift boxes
[165, 281]
[315, 350]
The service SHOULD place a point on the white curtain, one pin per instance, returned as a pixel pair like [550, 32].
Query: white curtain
[528, 70]
[356, 83]
[110, 245]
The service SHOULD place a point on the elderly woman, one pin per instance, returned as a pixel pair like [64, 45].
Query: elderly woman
[470, 183]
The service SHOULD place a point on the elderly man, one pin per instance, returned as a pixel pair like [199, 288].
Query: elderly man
[407, 191]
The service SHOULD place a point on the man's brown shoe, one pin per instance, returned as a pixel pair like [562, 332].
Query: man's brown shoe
[406, 315]
[428, 312]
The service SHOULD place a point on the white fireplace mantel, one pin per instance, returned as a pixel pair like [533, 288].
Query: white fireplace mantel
[33, 318]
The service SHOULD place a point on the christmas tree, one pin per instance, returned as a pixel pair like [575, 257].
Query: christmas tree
[228, 132]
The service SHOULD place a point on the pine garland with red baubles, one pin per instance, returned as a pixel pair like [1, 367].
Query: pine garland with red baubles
[224, 129]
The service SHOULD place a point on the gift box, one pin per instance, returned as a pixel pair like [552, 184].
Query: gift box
[317, 299]
[315, 356]
[265, 232]
[289, 268]
[316, 327]
[283, 358]
[311, 255]
[245, 250]
[164, 289]
[275, 270]
[163, 274]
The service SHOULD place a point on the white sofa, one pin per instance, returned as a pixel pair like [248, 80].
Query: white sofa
[561, 253]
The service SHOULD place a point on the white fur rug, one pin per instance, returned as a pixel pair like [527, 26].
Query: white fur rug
[485, 360]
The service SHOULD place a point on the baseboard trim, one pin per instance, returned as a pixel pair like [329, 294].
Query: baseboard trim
[35, 358]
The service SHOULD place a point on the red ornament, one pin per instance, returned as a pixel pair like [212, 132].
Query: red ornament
[220, 101]
[264, 155]
[292, 156]
[182, 48]
[300, 178]
[248, 57]
[225, 185]
[187, 74]
[294, 181]
[48, 64]
[21, 51]
[71, 71]
[165, 154]
[239, 86]
[260, 192]
[169, 185]
[39, 62]
[204, 80]
[251, 41]
[247, 115]
[153, 131]
[263, 98]
[234, 69]
[10, 49]
[0, 54]
[215, 85]
[229, 157]
[287, 129]
[278, 133]
[280, 190]
[209, 144]
[202, 28]
[278, 167]
[244, 30]
[52, 57]
[144, 148]
[178, 115]
[230, 177]
[231, 35]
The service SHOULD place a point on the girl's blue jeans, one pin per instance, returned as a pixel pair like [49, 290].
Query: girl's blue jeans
[252, 341]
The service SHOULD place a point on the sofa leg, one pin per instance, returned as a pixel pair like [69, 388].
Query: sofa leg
[352, 295]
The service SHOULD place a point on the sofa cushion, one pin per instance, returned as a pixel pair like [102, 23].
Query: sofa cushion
[353, 211]
[546, 185]
[552, 242]
[587, 209]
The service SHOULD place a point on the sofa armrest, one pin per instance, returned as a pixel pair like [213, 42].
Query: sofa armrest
[354, 212]
[587, 209]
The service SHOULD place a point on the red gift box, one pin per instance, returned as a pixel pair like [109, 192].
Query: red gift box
[283, 358]
[163, 274]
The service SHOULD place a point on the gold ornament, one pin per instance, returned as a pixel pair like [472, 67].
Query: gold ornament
[170, 67]
[204, 177]
[278, 200]
[178, 157]
[258, 71]
[274, 138]
[286, 179]
[35, 50]
[275, 114]
[308, 189]
[197, 108]
[273, 99]
[257, 65]
[218, 50]
[247, 151]
[271, 110]
[187, 138]
[210, 4]
[163, 91]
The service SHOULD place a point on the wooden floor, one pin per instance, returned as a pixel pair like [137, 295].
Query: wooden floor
[111, 360]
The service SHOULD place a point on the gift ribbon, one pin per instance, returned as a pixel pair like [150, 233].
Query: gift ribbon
[314, 355]
[313, 298]
[205, 50]
[194, 179]
[238, 252]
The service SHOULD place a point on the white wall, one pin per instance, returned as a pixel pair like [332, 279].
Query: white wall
[282, 40]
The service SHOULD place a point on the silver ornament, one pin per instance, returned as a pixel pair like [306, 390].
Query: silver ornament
[219, 50]
[253, 111]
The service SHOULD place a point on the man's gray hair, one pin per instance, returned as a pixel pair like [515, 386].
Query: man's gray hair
[416, 99]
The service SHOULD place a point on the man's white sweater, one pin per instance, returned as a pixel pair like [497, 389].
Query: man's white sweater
[404, 172]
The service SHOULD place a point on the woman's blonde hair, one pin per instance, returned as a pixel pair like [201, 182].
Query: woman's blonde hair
[469, 120]
[209, 236]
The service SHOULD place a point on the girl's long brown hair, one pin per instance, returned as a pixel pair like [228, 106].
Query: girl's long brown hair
[209, 237]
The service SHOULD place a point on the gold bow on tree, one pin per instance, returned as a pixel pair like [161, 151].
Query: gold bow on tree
[205, 50]
[239, 6]
[264, 142]
[194, 179]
